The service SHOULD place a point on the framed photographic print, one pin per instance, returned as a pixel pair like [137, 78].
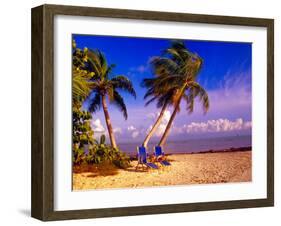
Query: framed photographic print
[141, 112]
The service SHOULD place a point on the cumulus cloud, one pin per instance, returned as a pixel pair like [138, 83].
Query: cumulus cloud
[117, 130]
[131, 128]
[133, 131]
[135, 134]
[161, 128]
[219, 125]
[97, 126]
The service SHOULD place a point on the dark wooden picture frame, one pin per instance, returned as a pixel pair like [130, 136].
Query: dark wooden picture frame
[42, 203]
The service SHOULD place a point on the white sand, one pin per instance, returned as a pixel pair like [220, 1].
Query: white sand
[185, 169]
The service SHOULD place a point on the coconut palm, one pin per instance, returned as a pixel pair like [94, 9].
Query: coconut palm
[163, 87]
[104, 86]
[181, 69]
[159, 92]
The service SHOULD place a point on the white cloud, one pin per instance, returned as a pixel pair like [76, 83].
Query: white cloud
[219, 125]
[151, 115]
[131, 128]
[117, 130]
[133, 131]
[161, 128]
[135, 134]
[97, 126]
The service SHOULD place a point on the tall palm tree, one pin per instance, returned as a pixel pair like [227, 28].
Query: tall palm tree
[104, 86]
[181, 69]
[164, 86]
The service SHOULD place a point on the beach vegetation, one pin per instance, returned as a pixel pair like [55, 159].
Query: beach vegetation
[92, 81]
[83, 135]
[103, 153]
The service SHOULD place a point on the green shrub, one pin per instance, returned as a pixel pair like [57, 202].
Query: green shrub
[82, 134]
[100, 152]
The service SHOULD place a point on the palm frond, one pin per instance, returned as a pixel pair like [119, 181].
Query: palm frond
[119, 102]
[166, 98]
[109, 70]
[147, 82]
[92, 66]
[163, 66]
[151, 100]
[110, 92]
[123, 83]
[95, 61]
[178, 52]
[150, 92]
[80, 85]
[189, 98]
[197, 90]
[95, 103]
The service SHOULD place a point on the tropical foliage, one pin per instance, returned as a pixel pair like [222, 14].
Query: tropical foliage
[91, 75]
[81, 85]
[82, 134]
[103, 153]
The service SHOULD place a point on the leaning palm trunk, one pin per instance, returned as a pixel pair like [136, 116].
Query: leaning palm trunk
[168, 127]
[155, 126]
[108, 123]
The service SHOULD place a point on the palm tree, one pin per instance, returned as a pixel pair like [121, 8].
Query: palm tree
[105, 86]
[159, 91]
[181, 69]
[163, 87]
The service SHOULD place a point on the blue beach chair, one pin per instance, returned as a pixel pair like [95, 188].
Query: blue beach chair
[142, 159]
[160, 156]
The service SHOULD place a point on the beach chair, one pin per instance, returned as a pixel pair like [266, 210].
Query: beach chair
[142, 159]
[160, 156]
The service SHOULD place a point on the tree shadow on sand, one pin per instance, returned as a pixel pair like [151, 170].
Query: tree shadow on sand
[96, 170]
[134, 170]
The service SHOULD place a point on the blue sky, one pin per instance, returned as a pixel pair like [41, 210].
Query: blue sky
[226, 75]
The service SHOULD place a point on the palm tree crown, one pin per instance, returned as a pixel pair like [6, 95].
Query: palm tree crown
[176, 74]
[105, 85]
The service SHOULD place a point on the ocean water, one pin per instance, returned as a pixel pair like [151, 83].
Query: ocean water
[193, 145]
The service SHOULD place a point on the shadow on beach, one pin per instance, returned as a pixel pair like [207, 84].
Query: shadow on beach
[96, 170]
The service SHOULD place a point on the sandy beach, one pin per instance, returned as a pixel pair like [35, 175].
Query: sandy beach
[200, 168]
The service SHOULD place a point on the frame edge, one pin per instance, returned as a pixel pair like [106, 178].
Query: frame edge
[37, 190]
[270, 112]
